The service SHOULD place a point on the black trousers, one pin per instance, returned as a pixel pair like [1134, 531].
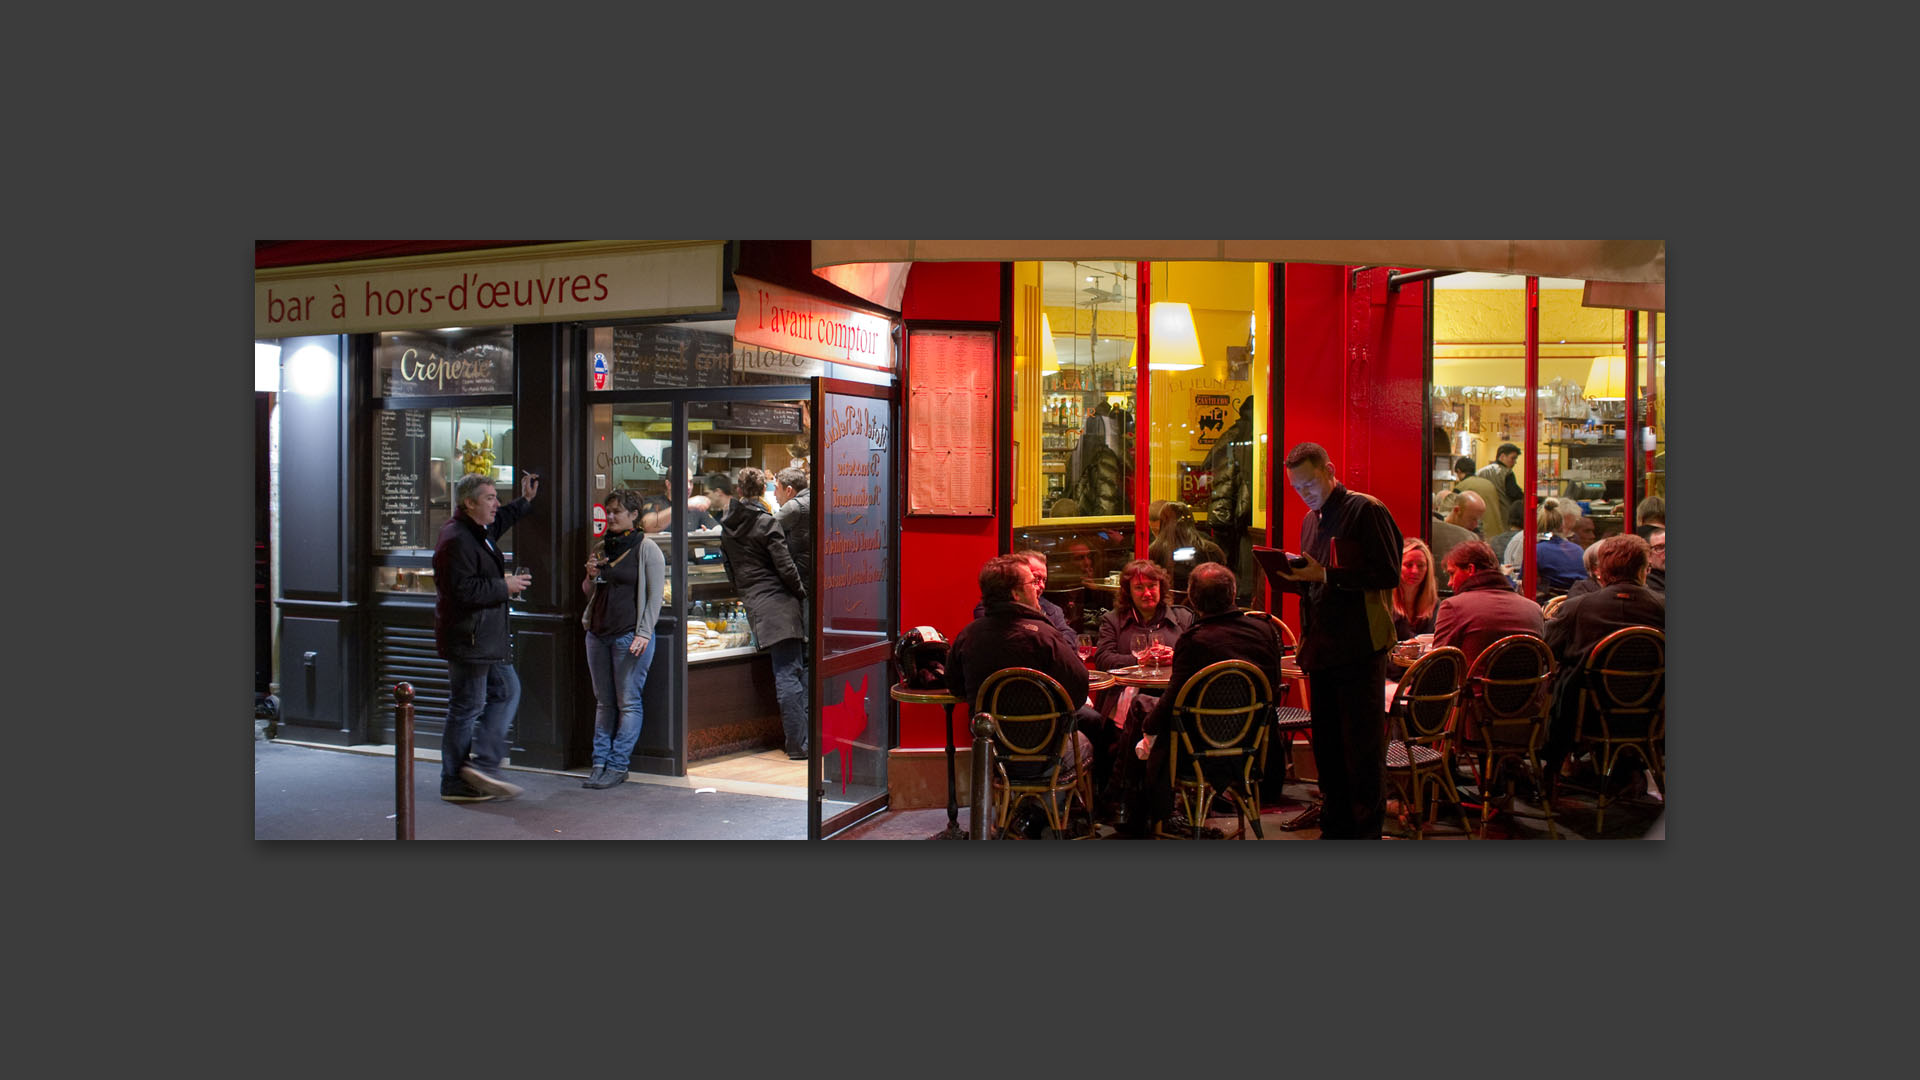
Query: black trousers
[1350, 747]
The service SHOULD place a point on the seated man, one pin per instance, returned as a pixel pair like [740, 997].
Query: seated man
[1622, 600]
[1037, 562]
[1657, 560]
[1013, 633]
[1222, 632]
[1461, 525]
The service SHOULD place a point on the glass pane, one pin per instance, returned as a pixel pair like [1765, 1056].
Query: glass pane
[440, 363]
[856, 486]
[1203, 437]
[722, 439]
[1074, 328]
[1479, 401]
[1582, 437]
[1653, 433]
[415, 452]
[853, 738]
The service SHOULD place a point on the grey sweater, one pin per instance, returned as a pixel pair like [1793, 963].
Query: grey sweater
[644, 570]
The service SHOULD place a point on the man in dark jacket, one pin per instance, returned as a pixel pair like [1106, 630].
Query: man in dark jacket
[470, 630]
[767, 581]
[1483, 608]
[1013, 633]
[1622, 600]
[1222, 632]
[1352, 551]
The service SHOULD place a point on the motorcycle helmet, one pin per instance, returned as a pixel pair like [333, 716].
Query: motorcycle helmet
[922, 656]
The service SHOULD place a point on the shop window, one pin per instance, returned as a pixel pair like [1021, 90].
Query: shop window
[1478, 400]
[443, 408]
[1652, 447]
[1206, 423]
[1073, 415]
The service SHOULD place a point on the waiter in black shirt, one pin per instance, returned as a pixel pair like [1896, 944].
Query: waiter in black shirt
[1352, 553]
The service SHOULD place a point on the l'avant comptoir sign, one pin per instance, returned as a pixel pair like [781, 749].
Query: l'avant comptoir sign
[793, 322]
[540, 283]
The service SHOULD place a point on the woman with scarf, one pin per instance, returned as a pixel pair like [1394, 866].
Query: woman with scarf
[623, 584]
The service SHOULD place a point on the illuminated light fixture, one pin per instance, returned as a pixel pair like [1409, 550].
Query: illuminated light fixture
[1049, 356]
[1607, 379]
[311, 371]
[1176, 345]
[266, 367]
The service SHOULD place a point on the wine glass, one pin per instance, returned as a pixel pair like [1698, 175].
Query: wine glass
[517, 569]
[1142, 650]
[1157, 648]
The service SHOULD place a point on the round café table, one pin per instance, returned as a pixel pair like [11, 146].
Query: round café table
[911, 696]
[1144, 678]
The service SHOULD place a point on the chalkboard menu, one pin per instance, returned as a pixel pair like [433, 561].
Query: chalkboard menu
[422, 365]
[401, 462]
[648, 356]
[747, 416]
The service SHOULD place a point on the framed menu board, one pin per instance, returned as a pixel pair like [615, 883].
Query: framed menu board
[951, 379]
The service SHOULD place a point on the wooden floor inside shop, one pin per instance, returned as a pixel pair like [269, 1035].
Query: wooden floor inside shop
[753, 766]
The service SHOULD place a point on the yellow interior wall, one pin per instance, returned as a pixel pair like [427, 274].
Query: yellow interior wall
[1222, 295]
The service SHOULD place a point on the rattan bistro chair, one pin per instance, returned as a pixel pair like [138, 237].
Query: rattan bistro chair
[1033, 732]
[1220, 721]
[1623, 705]
[1290, 715]
[1503, 718]
[1420, 722]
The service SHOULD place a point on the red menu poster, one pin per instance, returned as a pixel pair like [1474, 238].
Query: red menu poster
[950, 414]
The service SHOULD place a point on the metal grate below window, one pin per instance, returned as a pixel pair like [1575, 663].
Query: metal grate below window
[407, 654]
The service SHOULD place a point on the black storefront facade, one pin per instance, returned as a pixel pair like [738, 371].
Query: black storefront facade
[594, 365]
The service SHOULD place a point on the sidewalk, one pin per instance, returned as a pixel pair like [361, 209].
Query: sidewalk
[305, 792]
[308, 793]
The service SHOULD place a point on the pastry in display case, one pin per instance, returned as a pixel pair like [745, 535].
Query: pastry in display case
[716, 624]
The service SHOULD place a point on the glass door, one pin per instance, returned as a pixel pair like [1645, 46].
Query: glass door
[853, 602]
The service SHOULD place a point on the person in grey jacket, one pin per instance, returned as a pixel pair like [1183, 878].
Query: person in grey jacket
[762, 571]
[795, 517]
[470, 632]
[624, 584]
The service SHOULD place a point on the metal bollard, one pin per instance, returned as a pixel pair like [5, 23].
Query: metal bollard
[980, 804]
[403, 761]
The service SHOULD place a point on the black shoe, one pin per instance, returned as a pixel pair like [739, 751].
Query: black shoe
[594, 780]
[791, 756]
[489, 783]
[458, 790]
[613, 778]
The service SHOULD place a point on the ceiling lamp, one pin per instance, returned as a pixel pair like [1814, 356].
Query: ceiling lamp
[1607, 379]
[1176, 345]
[1049, 356]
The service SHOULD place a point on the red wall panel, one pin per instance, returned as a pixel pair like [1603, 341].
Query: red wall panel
[940, 557]
[952, 290]
[1354, 382]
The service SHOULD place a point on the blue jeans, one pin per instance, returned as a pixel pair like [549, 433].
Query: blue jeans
[485, 692]
[619, 677]
[790, 690]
